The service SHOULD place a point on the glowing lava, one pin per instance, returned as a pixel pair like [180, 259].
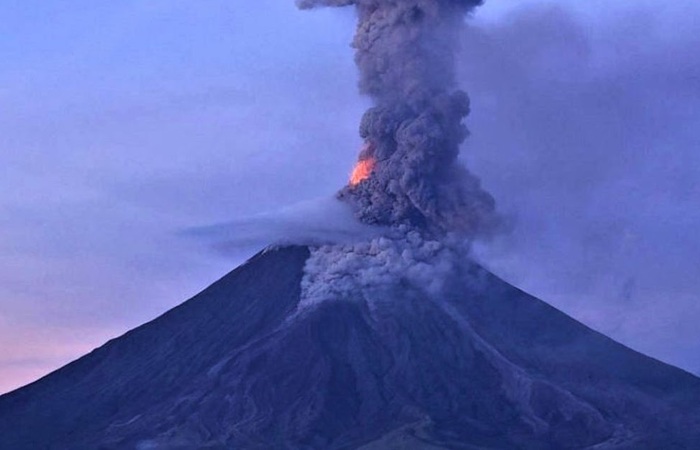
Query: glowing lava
[363, 169]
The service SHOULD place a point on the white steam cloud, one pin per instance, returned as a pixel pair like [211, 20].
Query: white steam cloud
[315, 222]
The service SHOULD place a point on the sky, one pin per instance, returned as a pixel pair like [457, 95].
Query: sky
[126, 124]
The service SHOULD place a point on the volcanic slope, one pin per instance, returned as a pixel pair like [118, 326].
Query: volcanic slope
[242, 366]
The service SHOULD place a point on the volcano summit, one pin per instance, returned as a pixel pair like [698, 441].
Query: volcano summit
[327, 348]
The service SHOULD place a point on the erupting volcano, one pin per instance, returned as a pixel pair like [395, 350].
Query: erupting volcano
[405, 52]
[398, 341]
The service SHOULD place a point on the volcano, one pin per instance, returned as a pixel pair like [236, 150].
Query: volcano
[250, 364]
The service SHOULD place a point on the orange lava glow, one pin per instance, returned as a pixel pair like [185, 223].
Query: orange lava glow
[363, 169]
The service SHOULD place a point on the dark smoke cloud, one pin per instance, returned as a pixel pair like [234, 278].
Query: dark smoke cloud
[405, 51]
[595, 121]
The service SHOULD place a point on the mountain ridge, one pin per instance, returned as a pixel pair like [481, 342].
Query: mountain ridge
[240, 365]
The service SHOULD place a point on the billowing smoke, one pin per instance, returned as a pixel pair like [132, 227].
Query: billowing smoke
[405, 51]
[397, 260]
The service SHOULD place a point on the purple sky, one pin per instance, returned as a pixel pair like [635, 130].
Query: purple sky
[124, 124]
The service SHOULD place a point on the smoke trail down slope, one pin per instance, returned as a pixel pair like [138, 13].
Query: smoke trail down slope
[403, 258]
[405, 52]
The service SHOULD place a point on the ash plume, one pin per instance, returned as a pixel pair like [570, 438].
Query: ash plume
[405, 51]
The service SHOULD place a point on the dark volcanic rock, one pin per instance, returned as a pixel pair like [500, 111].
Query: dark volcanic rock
[241, 366]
